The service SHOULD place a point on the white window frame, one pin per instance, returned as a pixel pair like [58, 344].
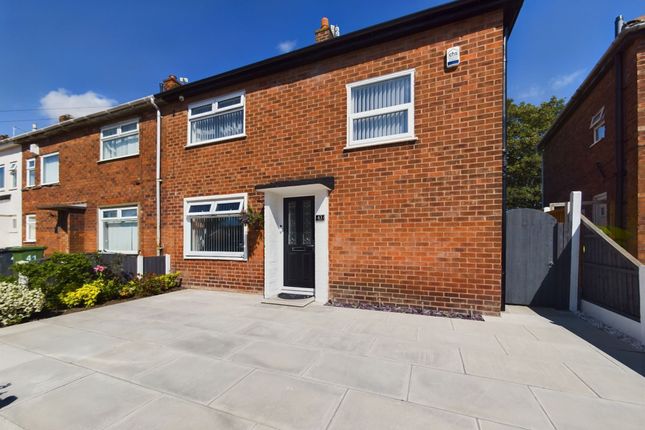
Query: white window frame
[119, 134]
[598, 121]
[215, 112]
[29, 169]
[404, 137]
[14, 181]
[4, 177]
[42, 168]
[101, 233]
[224, 198]
[30, 220]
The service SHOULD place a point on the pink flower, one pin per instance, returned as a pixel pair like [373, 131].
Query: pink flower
[99, 269]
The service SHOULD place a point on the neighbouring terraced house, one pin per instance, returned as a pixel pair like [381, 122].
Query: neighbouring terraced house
[375, 157]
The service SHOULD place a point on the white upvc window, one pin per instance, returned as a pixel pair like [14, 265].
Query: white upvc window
[213, 227]
[2, 177]
[381, 110]
[598, 126]
[31, 172]
[13, 175]
[49, 169]
[120, 140]
[119, 230]
[30, 230]
[216, 119]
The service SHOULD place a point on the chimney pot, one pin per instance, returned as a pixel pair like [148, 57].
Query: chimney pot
[171, 82]
[324, 32]
[64, 117]
[324, 22]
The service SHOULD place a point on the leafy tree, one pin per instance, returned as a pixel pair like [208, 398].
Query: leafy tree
[526, 124]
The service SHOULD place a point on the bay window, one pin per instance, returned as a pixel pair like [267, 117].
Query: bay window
[216, 119]
[119, 230]
[120, 140]
[381, 110]
[213, 227]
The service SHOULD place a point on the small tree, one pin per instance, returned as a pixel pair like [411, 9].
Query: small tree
[526, 124]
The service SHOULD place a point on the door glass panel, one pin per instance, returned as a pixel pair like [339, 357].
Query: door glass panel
[307, 223]
[291, 223]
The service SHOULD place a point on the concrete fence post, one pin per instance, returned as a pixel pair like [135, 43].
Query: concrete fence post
[140, 265]
[167, 256]
[574, 210]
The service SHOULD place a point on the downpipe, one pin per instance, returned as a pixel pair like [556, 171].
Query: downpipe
[158, 179]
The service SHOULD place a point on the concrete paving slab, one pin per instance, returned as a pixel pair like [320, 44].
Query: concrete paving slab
[523, 370]
[489, 425]
[275, 356]
[416, 320]
[571, 411]
[369, 411]
[480, 342]
[193, 377]
[335, 340]
[296, 303]
[612, 383]
[267, 330]
[90, 403]
[444, 357]
[485, 398]
[37, 376]
[16, 328]
[219, 323]
[386, 329]
[169, 413]
[5, 424]
[12, 356]
[157, 332]
[384, 377]
[281, 401]
[208, 343]
[129, 359]
[490, 328]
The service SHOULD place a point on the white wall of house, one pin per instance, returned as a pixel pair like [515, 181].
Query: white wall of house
[10, 196]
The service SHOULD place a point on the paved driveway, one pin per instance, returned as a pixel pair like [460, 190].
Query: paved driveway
[200, 360]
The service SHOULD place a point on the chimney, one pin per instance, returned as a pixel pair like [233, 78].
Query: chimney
[4, 136]
[34, 127]
[64, 117]
[170, 83]
[325, 31]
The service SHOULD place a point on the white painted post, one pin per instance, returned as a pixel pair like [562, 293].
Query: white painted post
[573, 215]
[641, 288]
[140, 265]
[167, 263]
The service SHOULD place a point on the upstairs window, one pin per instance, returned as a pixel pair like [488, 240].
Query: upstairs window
[216, 119]
[119, 230]
[120, 140]
[598, 126]
[381, 110]
[213, 227]
[13, 175]
[31, 172]
[49, 167]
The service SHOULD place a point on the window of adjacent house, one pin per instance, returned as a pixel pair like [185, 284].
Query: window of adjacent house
[14, 223]
[381, 110]
[598, 126]
[216, 119]
[30, 232]
[49, 167]
[119, 230]
[213, 227]
[31, 172]
[13, 175]
[2, 181]
[120, 140]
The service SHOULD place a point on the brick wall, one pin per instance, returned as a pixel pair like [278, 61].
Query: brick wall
[416, 223]
[640, 132]
[85, 180]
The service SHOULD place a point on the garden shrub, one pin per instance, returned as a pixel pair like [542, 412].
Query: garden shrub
[150, 285]
[18, 302]
[56, 275]
[86, 296]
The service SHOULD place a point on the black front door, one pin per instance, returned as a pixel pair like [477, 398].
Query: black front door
[299, 242]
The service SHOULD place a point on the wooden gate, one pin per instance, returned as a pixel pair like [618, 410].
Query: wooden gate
[537, 259]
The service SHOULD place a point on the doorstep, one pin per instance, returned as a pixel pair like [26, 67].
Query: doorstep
[297, 303]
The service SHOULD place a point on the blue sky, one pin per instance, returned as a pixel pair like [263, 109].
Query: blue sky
[76, 57]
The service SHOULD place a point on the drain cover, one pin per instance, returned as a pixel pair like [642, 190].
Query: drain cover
[289, 296]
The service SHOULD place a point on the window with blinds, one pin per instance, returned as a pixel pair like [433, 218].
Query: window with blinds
[216, 119]
[214, 228]
[120, 140]
[119, 230]
[49, 168]
[381, 110]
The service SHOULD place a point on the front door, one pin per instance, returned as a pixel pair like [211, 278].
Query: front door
[299, 244]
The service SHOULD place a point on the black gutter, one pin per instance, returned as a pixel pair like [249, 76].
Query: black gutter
[390, 30]
[504, 162]
[619, 146]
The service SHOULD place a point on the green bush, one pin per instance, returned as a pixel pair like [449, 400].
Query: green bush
[56, 275]
[18, 302]
[150, 285]
[87, 295]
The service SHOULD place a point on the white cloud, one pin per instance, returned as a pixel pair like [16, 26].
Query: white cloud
[286, 46]
[564, 81]
[532, 92]
[60, 101]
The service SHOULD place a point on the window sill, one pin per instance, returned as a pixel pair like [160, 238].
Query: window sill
[105, 251]
[595, 143]
[123, 157]
[49, 184]
[406, 139]
[224, 139]
[213, 257]
[28, 241]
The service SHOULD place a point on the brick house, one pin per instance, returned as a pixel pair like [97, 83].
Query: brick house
[596, 144]
[375, 157]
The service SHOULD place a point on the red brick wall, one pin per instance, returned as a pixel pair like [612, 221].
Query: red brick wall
[640, 131]
[409, 224]
[85, 180]
[570, 164]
